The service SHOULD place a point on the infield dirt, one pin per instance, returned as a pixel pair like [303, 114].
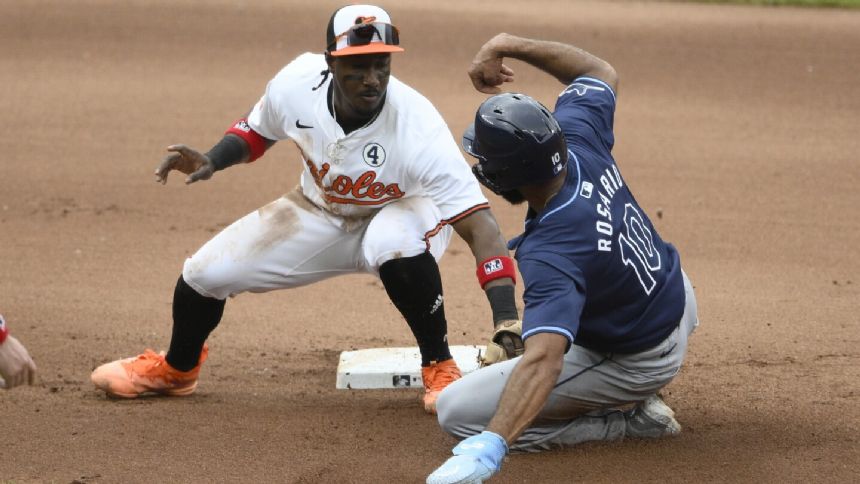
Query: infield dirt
[737, 129]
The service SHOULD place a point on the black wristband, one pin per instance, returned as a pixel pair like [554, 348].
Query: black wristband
[227, 152]
[503, 303]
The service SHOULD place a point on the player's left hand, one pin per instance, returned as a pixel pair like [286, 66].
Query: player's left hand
[506, 344]
[475, 460]
[187, 160]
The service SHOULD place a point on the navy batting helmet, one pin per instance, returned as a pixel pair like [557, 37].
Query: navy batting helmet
[517, 142]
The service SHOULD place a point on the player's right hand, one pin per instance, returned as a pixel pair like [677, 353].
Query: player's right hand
[187, 160]
[507, 343]
[487, 71]
[16, 366]
[460, 469]
[475, 460]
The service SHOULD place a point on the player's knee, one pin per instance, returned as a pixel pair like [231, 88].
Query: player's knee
[445, 413]
[454, 416]
[399, 230]
[380, 247]
[206, 279]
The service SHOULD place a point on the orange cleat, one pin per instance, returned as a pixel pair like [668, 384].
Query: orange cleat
[436, 377]
[147, 373]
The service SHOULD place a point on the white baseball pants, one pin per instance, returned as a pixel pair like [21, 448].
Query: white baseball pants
[292, 242]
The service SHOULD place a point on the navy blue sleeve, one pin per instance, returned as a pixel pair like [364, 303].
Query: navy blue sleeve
[586, 110]
[554, 296]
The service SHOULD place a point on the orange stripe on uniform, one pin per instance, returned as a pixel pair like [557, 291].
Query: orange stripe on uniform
[352, 201]
[452, 220]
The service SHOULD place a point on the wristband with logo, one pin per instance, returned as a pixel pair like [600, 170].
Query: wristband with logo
[496, 267]
[256, 142]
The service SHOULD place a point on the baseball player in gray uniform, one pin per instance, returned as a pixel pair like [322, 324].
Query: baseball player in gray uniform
[608, 309]
[383, 187]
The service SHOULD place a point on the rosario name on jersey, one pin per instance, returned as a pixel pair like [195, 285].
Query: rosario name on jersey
[406, 151]
[594, 268]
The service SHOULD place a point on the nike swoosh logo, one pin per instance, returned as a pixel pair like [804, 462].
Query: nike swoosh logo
[302, 126]
[668, 351]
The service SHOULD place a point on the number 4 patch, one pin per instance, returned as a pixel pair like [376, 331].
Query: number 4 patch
[374, 154]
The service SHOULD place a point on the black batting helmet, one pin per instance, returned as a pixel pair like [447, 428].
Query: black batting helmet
[517, 142]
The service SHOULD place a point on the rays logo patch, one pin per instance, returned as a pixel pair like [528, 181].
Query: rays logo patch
[585, 191]
[373, 154]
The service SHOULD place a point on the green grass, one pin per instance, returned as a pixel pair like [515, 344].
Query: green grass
[800, 3]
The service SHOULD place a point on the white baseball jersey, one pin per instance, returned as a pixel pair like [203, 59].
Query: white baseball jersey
[407, 151]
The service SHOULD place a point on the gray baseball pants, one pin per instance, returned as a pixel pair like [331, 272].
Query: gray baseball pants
[583, 406]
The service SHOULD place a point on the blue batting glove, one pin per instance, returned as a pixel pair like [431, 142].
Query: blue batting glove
[475, 460]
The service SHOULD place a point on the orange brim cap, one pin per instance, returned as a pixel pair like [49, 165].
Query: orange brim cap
[372, 48]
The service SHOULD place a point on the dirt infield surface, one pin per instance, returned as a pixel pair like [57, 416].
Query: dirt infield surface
[737, 129]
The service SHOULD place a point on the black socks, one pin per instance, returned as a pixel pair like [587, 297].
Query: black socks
[194, 317]
[415, 287]
[413, 284]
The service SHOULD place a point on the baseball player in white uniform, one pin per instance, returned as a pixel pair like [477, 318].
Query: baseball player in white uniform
[384, 184]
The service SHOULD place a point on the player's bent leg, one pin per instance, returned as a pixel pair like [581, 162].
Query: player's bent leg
[415, 287]
[604, 381]
[397, 246]
[587, 400]
[287, 243]
[652, 418]
[583, 406]
[466, 406]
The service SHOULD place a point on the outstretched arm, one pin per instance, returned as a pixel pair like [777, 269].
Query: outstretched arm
[232, 149]
[562, 61]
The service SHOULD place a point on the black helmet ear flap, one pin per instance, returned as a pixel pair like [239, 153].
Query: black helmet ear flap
[478, 171]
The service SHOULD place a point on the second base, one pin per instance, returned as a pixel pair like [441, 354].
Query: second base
[394, 367]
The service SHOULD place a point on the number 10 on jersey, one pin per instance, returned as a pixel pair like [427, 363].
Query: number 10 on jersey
[637, 248]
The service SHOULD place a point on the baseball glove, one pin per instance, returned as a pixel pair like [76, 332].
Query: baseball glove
[507, 343]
